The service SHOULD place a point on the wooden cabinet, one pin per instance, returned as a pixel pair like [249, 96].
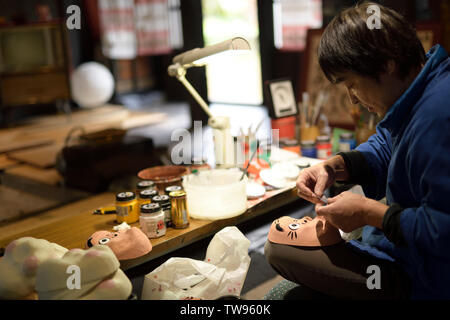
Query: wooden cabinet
[34, 64]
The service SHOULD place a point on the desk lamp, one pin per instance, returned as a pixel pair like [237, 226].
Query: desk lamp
[223, 142]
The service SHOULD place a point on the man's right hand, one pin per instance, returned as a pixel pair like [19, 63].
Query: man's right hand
[313, 181]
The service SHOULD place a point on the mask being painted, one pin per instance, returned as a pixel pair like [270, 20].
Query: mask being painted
[304, 232]
[126, 244]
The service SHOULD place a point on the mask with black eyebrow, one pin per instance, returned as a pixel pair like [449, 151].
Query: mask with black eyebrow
[126, 244]
[306, 232]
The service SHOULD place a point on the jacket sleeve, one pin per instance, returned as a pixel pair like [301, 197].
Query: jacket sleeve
[377, 153]
[426, 228]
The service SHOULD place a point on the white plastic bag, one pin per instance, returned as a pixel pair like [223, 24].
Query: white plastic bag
[222, 273]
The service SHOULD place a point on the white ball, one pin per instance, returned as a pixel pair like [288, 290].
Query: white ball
[92, 85]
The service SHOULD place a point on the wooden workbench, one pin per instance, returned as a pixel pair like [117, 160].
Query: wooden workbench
[70, 226]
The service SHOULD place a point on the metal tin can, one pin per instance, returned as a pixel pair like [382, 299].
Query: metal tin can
[169, 189]
[152, 220]
[145, 196]
[164, 201]
[127, 207]
[324, 147]
[180, 215]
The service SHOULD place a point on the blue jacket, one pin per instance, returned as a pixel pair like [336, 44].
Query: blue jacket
[410, 157]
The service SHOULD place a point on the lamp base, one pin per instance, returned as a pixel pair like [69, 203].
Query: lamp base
[223, 142]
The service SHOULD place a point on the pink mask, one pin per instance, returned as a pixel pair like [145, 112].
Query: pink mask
[126, 244]
[304, 232]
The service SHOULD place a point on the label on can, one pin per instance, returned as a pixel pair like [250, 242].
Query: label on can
[124, 211]
[180, 216]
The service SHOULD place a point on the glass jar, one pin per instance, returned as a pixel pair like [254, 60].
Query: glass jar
[145, 196]
[151, 220]
[164, 201]
[144, 184]
[180, 216]
[347, 142]
[308, 149]
[127, 209]
[324, 147]
[169, 189]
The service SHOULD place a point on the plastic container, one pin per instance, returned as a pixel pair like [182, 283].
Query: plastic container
[286, 127]
[216, 194]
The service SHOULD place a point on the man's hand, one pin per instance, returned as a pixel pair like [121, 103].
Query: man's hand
[312, 182]
[349, 211]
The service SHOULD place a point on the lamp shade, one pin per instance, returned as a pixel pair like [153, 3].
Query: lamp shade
[195, 56]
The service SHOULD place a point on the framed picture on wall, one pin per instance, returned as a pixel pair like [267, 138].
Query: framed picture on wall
[337, 107]
[281, 98]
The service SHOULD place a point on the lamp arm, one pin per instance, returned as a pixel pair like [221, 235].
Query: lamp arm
[195, 94]
[179, 72]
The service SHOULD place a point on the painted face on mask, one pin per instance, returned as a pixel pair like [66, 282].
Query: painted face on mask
[126, 244]
[304, 232]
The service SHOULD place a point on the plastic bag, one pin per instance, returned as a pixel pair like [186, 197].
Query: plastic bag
[222, 273]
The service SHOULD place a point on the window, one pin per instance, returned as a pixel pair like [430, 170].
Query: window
[291, 21]
[234, 79]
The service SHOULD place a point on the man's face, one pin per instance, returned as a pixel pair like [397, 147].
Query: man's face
[377, 97]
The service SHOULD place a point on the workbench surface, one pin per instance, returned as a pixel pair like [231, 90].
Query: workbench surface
[71, 225]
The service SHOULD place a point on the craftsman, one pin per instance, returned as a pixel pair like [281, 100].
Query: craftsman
[407, 162]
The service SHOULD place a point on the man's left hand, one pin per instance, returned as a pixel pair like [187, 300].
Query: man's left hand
[349, 211]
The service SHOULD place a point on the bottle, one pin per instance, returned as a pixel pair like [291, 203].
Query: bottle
[146, 195]
[164, 201]
[324, 147]
[151, 220]
[347, 142]
[144, 184]
[308, 149]
[169, 189]
[180, 215]
[127, 209]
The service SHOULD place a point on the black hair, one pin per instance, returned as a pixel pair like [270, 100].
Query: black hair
[350, 43]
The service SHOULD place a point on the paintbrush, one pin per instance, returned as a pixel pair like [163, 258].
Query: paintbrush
[249, 161]
[323, 199]
[320, 101]
[305, 100]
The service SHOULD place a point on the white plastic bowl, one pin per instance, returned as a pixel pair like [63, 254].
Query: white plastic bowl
[215, 194]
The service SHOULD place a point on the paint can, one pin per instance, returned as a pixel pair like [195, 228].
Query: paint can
[180, 215]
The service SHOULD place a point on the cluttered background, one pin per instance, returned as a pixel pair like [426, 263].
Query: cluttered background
[88, 109]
